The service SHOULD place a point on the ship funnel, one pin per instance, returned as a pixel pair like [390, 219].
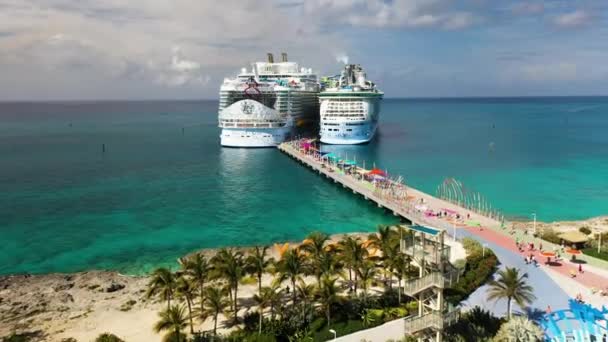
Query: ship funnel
[283, 57]
[270, 58]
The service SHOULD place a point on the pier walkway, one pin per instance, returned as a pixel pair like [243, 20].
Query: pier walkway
[416, 206]
[403, 200]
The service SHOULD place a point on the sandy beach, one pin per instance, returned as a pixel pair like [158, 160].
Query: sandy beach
[85, 304]
[599, 223]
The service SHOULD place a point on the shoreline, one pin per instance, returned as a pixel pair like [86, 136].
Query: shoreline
[85, 304]
[596, 222]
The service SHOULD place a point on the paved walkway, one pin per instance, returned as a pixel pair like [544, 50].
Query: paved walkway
[588, 278]
[546, 290]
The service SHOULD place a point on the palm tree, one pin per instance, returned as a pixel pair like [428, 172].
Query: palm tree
[327, 293]
[184, 288]
[366, 272]
[263, 299]
[314, 245]
[291, 266]
[351, 254]
[306, 292]
[385, 240]
[215, 304]
[400, 266]
[173, 320]
[197, 268]
[276, 298]
[230, 266]
[519, 329]
[257, 263]
[513, 286]
[162, 283]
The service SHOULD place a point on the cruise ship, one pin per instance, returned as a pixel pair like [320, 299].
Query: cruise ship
[263, 106]
[350, 107]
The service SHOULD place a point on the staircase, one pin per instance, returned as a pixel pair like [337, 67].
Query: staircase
[433, 279]
[434, 320]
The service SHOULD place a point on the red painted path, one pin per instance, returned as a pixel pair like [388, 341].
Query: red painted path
[587, 278]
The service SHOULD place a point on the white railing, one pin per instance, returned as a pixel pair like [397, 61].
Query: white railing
[435, 279]
[434, 320]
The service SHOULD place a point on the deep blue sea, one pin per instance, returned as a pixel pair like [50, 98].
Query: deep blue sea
[164, 187]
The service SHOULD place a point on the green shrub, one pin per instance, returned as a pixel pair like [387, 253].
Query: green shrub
[341, 328]
[16, 338]
[412, 306]
[585, 230]
[592, 251]
[474, 325]
[251, 320]
[107, 337]
[478, 270]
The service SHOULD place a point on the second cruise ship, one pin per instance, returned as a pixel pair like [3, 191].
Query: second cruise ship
[261, 107]
[350, 107]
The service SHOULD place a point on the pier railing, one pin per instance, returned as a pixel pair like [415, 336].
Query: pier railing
[393, 197]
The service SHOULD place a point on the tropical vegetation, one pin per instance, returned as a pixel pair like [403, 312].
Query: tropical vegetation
[305, 290]
[511, 285]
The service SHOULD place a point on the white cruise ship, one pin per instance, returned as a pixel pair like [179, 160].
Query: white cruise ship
[262, 107]
[350, 107]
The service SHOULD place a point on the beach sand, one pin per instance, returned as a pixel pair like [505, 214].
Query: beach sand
[86, 304]
[596, 223]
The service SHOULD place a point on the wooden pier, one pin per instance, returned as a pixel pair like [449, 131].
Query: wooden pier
[403, 204]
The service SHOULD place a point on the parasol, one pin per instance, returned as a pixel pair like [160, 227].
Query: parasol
[547, 254]
[573, 251]
[376, 171]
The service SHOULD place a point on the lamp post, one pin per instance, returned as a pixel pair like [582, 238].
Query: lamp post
[534, 216]
[599, 242]
[333, 332]
[483, 250]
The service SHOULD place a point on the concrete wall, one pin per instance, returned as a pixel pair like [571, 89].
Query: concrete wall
[391, 330]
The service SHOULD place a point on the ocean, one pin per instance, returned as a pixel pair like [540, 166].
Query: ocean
[130, 186]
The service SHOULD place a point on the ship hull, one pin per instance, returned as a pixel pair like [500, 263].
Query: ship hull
[251, 138]
[347, 120]
[358, 135]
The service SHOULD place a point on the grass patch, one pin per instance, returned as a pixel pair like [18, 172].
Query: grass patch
[341, 328]
[592, 252]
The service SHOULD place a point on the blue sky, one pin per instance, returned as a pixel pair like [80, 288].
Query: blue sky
[174, 49]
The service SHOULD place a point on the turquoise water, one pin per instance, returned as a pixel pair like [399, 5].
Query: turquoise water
[164, 187]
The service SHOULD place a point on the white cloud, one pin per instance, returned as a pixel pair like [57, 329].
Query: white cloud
[397, 13]
[458, 21]
[65, 42]
[342, 58]
[574, 19]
